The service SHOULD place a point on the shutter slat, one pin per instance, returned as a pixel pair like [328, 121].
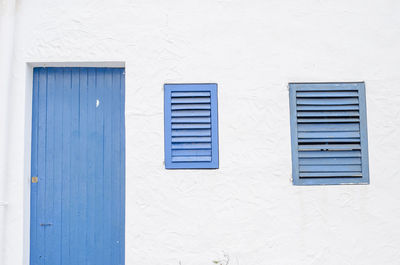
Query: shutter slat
[330, 161]
[330, 168]
[190, 100]
[330, 174]
[329, 147]
[327, 87]
[191, 146]
[325, 120]
[327, 101]
[327, 94]
[191, 113]
[190, 94]
[191, 120]
[191, 139]
[196, 132]
[189, 152]
[310, 154]
[333, 134]
[328, 140]
[191, 126]
[191, 158]
[190, 106]
[328, 114]
[327, 107]
[318, 127]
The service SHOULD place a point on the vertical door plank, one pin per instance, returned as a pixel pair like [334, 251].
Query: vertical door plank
[54, 188]
[50, 153]
[121, 164]
[75, 224]
[34, 164]
[66, 165]
[116, 172]
[99, 164]
[83, 156]
[91, 219]
[108, 179]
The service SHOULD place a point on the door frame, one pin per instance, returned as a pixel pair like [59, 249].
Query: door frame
[28, 136]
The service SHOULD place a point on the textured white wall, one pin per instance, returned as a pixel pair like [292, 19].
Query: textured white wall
[248, 208]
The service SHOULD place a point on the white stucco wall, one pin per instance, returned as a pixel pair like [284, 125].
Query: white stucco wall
[248, 208]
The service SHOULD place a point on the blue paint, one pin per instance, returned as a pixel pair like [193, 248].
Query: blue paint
[78, 154]
[191, 126]
[329, 133]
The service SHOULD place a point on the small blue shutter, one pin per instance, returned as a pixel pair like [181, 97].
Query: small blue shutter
[329, 133]
[191, 126]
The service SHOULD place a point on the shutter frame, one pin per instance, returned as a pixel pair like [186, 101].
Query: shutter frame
[294, 88]
[173, 162]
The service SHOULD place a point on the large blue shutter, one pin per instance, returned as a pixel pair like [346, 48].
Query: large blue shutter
[329, 133]
[191, 126]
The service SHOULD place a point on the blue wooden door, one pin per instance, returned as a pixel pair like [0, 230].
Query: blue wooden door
[78, 167]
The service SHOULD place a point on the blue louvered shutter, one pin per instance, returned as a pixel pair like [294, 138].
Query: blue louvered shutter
[191, 126]
[329, 133]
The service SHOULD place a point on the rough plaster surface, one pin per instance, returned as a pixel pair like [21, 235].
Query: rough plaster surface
[248, 208]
